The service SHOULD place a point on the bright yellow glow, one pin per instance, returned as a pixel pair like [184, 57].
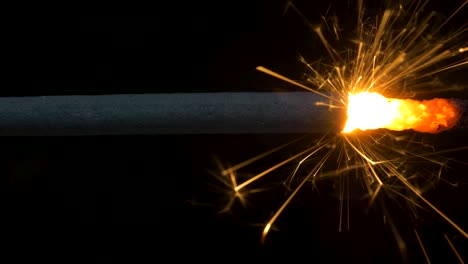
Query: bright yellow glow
[373, 111]
[369, 111]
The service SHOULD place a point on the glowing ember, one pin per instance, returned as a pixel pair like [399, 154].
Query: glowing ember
[373, 111]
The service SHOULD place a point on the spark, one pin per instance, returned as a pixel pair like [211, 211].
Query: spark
[391, 55]
[422, 246]
[454, 249]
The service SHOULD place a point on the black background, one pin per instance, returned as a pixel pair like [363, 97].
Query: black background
[148, 197]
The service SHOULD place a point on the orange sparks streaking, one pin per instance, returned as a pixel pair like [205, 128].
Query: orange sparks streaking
[373, 111]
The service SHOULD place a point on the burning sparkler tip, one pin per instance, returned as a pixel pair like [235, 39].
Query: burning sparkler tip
[368, 111]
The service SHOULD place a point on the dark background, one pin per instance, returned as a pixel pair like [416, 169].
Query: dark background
[149, 197]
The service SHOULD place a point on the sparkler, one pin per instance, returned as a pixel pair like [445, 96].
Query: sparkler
[151, 114]
[373, 80]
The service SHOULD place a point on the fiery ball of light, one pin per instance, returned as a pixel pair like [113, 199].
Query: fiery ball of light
[373, 111]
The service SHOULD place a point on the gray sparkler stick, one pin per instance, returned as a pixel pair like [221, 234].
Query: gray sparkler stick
[179, 113]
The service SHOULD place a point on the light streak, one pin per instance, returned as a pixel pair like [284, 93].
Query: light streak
[389, 56]
[422, 247]
[454, 249]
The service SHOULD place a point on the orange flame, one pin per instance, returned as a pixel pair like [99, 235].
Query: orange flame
[373, 111]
